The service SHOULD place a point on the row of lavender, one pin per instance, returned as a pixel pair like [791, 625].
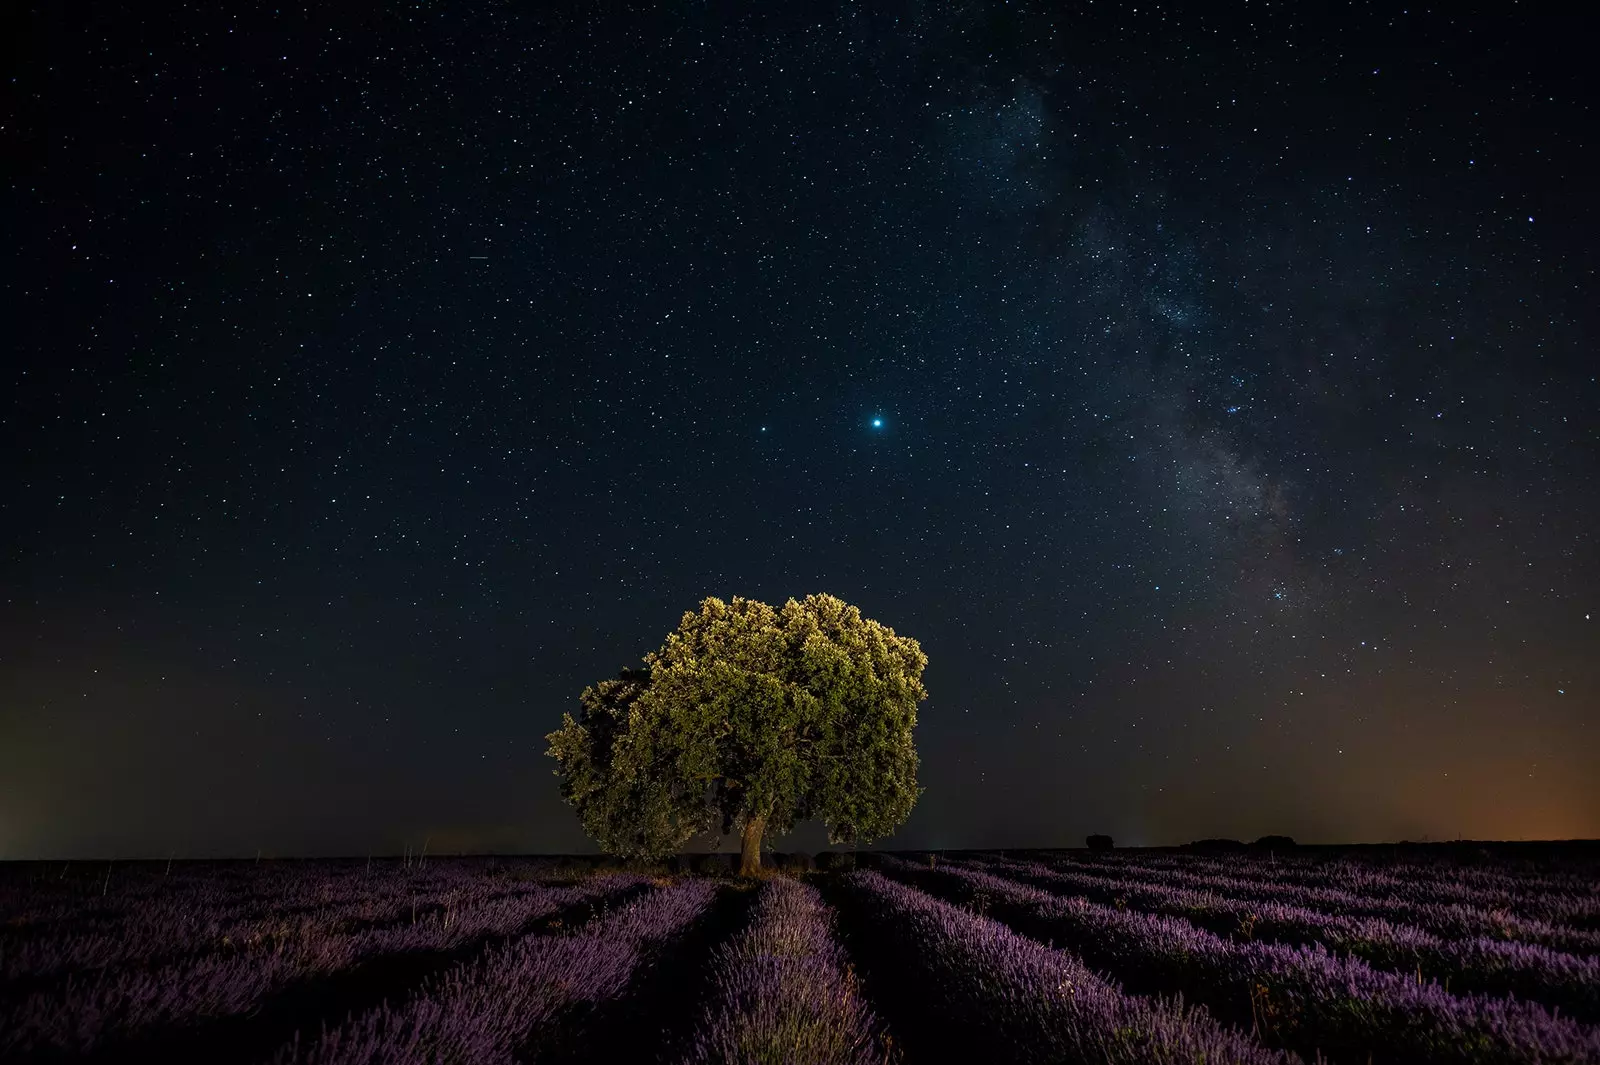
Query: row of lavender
[39, 899]
[1490, 871]
[783, 989]
[1451, 920]
[1568, 982]
[504, 1005]
[783, 992]
[979, 990]
[166, 928]
[1568, 900]
[129, 1002]
[967, 988]
[1299, 998]
[954, 980]
[786, 992]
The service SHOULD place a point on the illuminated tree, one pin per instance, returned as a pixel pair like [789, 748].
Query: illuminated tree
[749, 718]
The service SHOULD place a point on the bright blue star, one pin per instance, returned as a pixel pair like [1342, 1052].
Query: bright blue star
[877, 423]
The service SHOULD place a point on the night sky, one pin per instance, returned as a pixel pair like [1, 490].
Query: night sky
[1213, 395]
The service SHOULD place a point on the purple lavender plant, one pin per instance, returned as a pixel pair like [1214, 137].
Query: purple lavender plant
[785, 992]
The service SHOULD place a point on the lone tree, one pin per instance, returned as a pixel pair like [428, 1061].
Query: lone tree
[749, 718]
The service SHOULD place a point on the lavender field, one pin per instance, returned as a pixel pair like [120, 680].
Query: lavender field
[1126, 956]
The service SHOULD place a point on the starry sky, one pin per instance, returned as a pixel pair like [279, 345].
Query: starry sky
[1213, 394]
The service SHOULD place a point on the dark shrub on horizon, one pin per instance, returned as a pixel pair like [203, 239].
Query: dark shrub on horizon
[836, 861]
[1099, 843]
[1274, 843]
[1215, 845]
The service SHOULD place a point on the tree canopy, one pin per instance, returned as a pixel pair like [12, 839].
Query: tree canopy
[752, 718]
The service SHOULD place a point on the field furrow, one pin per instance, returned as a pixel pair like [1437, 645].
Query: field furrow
[178, 919]
[168, 933]
[1300, 998]
[127, 1006]
[1568, 982]
[1450, 920]
[654, 1016]
[1040, 956]
[1297, 865]
[503, 1006]
[961, 987]
[1572, 905]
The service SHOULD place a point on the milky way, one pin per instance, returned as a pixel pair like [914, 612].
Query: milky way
[1213, 397]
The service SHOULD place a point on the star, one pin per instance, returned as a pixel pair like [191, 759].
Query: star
[877, 423]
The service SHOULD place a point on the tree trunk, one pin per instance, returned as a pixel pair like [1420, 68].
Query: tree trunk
[750, 847]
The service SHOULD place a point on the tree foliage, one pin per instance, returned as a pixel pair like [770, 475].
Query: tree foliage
[749, 716]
